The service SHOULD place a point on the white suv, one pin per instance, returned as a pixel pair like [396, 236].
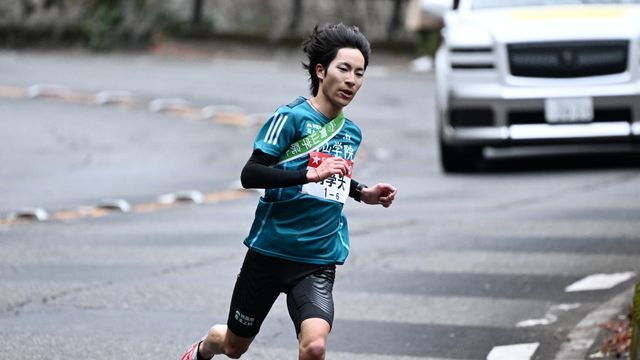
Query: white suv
[537, 74]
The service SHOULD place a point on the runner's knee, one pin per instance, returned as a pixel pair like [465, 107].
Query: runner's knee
[234, 352]
[217, 333]
[314, 349]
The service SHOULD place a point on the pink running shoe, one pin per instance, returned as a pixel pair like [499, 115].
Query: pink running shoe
[192, 353]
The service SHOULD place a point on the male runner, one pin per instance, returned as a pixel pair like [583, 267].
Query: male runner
[303, 156]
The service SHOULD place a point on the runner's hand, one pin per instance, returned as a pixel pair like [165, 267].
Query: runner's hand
[382, 194]
[329, 167]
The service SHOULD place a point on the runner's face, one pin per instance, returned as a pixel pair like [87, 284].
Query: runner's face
[343, 78]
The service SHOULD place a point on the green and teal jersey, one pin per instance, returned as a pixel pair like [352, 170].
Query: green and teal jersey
[304, 223]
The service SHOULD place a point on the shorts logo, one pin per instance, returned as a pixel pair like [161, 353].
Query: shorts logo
[244, 319]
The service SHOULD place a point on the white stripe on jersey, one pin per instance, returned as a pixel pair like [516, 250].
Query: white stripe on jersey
[266, 137]
[272, 136]
[275, 139]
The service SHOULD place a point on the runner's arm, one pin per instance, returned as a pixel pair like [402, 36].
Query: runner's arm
[258, 174]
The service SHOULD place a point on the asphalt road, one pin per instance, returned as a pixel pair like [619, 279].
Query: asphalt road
[457, 268]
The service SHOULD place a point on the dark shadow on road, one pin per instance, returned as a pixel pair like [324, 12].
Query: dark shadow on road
[560, 163]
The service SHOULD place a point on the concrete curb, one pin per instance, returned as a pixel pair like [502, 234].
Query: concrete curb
[583, 335]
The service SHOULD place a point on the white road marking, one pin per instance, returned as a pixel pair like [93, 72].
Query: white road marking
[513, 352]
[566, 307]
[550, 317]
[600, 282]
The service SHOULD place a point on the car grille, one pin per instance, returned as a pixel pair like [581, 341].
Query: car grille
[568, 59]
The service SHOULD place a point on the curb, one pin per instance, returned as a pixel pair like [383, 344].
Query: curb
[635, 325]
[175, 107]
[121, 206]
[583, 335]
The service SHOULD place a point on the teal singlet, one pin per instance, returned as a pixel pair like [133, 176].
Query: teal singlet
[304, 223]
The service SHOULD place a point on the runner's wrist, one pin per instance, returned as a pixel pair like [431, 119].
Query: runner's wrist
[356, 194]
[313, 175]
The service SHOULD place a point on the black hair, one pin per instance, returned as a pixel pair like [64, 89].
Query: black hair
[323, 44]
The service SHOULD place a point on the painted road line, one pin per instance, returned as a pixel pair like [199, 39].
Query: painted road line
[600, 282]
[77, 97]
[513, 352]
[81, 213]
[550, 317]
[13, 92]
[151, 207]
[582, 336]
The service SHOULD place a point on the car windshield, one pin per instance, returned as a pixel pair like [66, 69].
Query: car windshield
[486, 4]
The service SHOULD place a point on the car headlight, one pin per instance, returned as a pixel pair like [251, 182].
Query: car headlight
[472, 58]
[470, 47]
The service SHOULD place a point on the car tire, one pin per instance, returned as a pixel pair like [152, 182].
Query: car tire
[459, 159]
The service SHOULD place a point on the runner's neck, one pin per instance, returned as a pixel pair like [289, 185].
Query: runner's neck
[324, 107]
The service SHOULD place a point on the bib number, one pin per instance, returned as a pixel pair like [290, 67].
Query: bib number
[335, 187]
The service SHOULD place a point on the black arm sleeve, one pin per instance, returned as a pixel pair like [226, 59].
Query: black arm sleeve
[258, 173]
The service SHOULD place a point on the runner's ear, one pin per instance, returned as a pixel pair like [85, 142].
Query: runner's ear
[320, 71]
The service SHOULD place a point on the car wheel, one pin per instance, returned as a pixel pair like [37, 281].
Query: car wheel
[459, 158]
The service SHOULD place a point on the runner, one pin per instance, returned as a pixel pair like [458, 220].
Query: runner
[303, 156]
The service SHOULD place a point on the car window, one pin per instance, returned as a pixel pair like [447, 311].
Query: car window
[487, 4]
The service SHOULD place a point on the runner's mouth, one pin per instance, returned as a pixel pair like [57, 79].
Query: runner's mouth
[346, 93]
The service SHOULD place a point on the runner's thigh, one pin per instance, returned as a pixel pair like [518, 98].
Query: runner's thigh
[311, 297]
[255, 292]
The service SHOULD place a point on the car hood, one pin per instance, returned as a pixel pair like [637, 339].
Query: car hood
[545, 23]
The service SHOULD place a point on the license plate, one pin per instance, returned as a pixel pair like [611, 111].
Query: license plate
[568, 110]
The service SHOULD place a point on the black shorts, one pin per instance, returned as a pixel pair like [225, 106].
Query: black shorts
[262, 278]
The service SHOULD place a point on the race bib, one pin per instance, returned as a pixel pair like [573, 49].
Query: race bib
[335, 187]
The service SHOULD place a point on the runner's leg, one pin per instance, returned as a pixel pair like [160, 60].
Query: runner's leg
[310, 303]
[221, 340]
[313, 339]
